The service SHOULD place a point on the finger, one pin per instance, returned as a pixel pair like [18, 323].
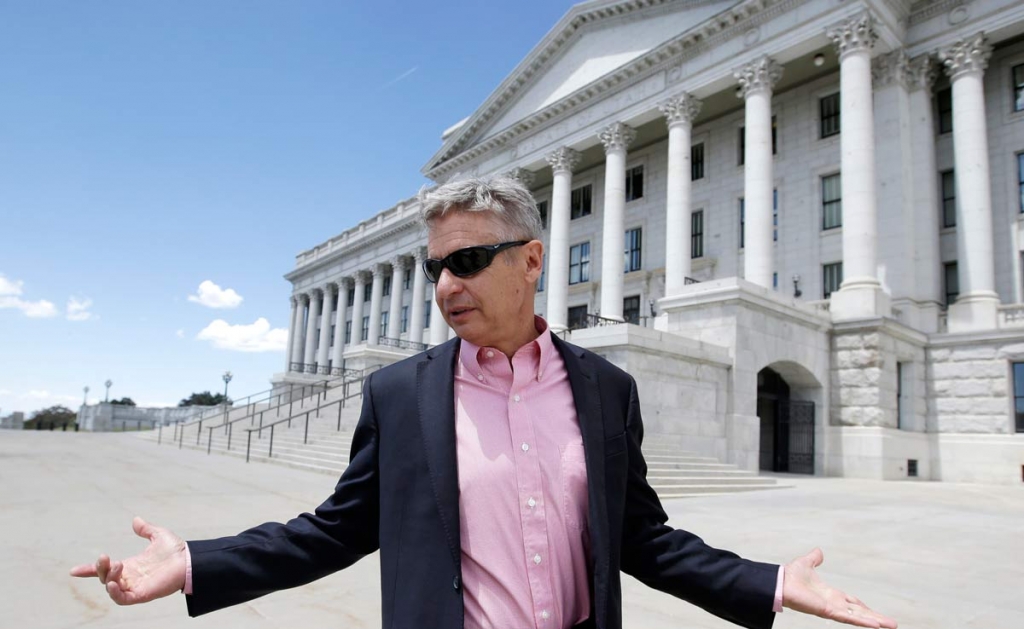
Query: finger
[816, 557]
[115, 572]
[84, 570]
[143, 528]
[119, 595]
[102, 568]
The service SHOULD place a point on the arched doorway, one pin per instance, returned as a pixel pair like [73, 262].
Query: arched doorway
[787, 426]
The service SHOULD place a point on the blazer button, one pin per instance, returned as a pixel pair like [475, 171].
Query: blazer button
[456, 583]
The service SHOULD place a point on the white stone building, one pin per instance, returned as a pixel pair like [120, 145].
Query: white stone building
[814, 216]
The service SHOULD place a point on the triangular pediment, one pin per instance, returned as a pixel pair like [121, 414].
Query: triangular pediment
[591, 41]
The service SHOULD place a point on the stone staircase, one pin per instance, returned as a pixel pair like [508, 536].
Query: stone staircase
[672, 472]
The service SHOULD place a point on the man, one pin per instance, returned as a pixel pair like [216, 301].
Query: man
[499, 474]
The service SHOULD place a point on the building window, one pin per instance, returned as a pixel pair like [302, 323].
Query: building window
[697, 162]
[542, 209]
[948, 199]
[743, 223]
[426, 315]
[385, 318]
[1018, 395]
[743, 141]
[775, 280]
[631, 309]
[407, 278]
[387, 285]
[775, 215]
[365, 333]
[1020, 178]
[579, 201]
[944, 100]
[1018, 87]
[405, 320]
[367, 292]
[577, 317]
[579, 263]
[697, 234]
[951, 280]
[334, 328]
[831, 202]
[635, 183]
[829, 109]
[351, 297]
[543, 273]
[633, 249]
[832, 278]
[348, 332]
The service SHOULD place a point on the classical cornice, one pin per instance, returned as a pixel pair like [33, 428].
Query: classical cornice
[730, 23]
[320, 257]
[927, 9]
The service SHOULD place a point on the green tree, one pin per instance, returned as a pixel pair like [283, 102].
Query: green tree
[204, 399]
[57, 415]
[125, 401]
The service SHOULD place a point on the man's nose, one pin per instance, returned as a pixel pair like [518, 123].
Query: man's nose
[447, 285]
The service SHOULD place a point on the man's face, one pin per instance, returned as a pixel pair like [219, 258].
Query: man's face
[493, 307]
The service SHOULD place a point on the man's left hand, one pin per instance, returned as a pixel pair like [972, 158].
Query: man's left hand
[804, 592]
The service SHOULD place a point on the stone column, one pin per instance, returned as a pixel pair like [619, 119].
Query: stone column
[616, 139]
[419, 285]
[298, 347]
[357, 309]
[438, 326]
[562, 162]
[976, 308]
[860, 294]
[679, 113]
[927, 260]
[316, 297]
[339, 321]
[293, 333]
[756, 82]
[376, 297]
[323, 354]
[395, 306]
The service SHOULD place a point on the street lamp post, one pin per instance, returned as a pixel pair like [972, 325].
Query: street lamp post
[85, 398]
[108, 383]
[227, 378]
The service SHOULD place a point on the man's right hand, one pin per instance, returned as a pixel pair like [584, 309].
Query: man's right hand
[159, 571]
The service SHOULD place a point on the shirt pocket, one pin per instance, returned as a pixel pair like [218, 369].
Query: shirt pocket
[575, 501]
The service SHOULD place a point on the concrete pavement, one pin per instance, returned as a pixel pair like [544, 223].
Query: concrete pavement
[933, 555]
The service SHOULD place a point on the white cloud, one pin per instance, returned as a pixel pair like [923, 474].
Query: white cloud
[4, 392]
[79, 310]
[10, 297]
[213, 296]
[43, 398]
[257, 337]
[180, 334]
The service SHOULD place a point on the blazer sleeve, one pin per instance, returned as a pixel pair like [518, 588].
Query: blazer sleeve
[680, 563]
[275, 556]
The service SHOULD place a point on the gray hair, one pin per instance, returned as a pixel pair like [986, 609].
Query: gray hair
[508, 199]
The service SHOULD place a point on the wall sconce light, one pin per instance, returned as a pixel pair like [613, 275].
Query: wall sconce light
[796, 285]
[819, 60]
[654, 313]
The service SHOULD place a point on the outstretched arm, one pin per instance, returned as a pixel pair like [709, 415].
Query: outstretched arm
[804, 591]
[156, 572]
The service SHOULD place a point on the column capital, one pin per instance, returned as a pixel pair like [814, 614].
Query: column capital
[398, 262]
[563, 159]
[853, 34]
[359, 277]
[758, 75]
[378, 270]
[523, 176]
[922, 73]
[967, 55]
[891, 69]
[316, 292]
[294, 300]
[681, 109]
[419, 254]
[617, 137]
[303, 298]
[330, 288]
[345, 283]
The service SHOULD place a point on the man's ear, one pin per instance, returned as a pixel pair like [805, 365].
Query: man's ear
[533, 255]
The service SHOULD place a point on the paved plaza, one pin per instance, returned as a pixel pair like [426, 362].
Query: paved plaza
[935, 556]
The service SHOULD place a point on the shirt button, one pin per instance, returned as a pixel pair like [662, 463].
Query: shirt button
[516, 398]
[536, 559]
[545, 615]
[531, 502]
[490, 354]
[480, 377]
[525, 447]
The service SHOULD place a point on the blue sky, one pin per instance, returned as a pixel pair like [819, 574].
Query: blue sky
[147, 148]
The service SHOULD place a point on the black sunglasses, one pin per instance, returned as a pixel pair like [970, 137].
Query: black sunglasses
[466, 262]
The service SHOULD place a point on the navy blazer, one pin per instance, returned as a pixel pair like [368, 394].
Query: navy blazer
[400, 494]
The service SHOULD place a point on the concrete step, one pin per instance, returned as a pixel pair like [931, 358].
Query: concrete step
[682, 491]
[669, 481]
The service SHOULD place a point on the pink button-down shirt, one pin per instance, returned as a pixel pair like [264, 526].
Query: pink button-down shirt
[522, 489]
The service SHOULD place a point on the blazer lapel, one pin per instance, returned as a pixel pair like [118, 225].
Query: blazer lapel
[586, 394]
[435, 397]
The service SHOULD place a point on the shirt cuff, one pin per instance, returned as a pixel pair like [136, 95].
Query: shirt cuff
[188, 573]
[777, 607]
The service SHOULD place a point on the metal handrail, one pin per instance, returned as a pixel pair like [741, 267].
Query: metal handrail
[401, 343]
[228, 424]
[323, 370]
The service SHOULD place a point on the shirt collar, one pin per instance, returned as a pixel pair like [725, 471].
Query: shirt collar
[538, 352]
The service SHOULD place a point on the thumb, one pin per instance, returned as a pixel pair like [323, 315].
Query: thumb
[143, 528]
[816, 557]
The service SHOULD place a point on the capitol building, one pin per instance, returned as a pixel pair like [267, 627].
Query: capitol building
[799, 224]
